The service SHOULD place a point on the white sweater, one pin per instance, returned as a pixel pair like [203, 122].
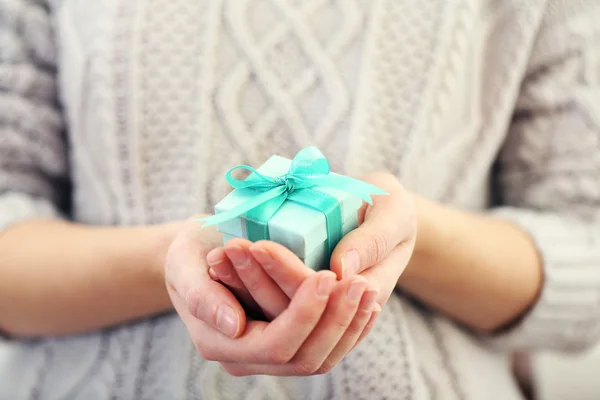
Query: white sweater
[140, 106]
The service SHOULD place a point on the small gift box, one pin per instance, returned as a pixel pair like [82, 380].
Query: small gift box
[298, 203]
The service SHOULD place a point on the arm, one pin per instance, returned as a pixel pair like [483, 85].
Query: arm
[57, 277]
[61, 278]
[465, 265]
[530, 265]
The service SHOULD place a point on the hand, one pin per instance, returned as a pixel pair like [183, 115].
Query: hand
[191, 290]
[383, 244]
[314, 324]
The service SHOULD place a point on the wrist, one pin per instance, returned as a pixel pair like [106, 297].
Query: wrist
[162, 236]
[431, 237]
[159, 239]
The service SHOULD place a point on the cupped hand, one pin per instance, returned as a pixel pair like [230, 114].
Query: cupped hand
[194, 294]
[383, 244]
[272, 276]
[298, 341]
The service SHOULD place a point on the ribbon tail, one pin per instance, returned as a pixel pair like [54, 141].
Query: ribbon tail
[257, 219]
[242, 208]
[355, 187]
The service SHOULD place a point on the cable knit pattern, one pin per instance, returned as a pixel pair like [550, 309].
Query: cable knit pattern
[149, 102]
[33, 160]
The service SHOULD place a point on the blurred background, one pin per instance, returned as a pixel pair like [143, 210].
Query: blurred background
[559, 377]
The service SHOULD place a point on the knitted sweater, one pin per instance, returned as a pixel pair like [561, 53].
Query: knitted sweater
[129, 112]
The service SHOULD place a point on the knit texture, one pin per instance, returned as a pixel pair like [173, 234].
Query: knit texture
[130, 112]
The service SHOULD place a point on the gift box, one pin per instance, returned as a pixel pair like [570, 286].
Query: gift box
[298, 203]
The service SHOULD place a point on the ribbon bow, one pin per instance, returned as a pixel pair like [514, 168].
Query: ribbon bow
[310, 169]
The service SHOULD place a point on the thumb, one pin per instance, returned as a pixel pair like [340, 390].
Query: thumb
[362, 248]
[186, 275]
[387, 223]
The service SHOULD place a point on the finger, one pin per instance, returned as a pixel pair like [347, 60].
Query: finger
[292, 328]
[354, 331]
[385, 275]
[222, 270]
[370, 325]
[388, 222]
[186, 275]
[341, 310]
[283, 266]
[267, 294]
[277, 370]
[276, 342]
[312, 354]
[202, 335]
[221, 264]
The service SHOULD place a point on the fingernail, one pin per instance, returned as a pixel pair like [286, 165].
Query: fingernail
[214, 260]
[213, 275]
[368, 300]
[376, 308]
[350, 263]
[356, 289]
[262, 256]
[238, 256]
[224, 276]
[326, 284]
[227, 320]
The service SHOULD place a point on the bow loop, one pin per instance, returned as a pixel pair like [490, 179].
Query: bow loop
[256, 180]
[309, 162]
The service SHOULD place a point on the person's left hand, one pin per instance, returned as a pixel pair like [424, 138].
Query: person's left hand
[383, 244]
[265, 275]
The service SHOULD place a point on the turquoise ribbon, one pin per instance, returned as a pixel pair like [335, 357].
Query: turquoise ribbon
[310, 169]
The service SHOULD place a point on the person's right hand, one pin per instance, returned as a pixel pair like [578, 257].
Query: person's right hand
[297, 342]
[191, 290]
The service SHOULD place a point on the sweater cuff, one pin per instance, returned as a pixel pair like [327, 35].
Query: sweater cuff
[566, 315]
[16, 207]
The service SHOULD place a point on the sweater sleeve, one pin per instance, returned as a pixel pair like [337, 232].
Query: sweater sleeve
[549, 179]
[33, 161]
